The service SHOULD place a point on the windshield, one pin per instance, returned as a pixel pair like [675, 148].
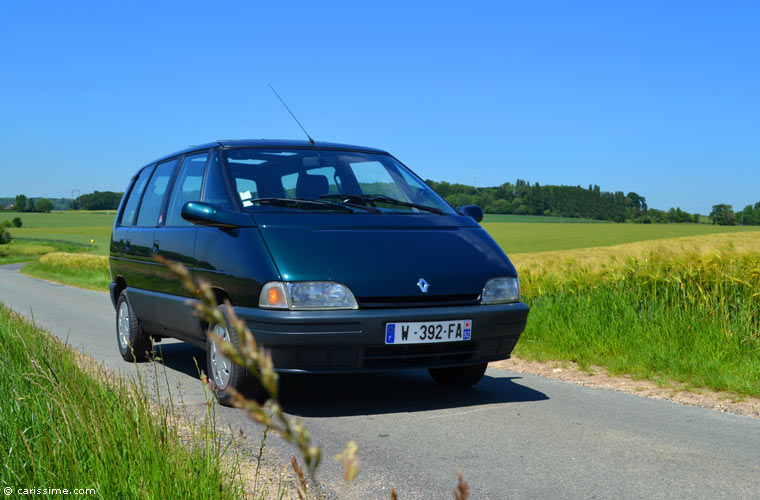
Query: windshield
[326, 180]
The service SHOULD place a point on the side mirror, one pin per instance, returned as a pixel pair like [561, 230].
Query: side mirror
[473, 211]
[211, 215]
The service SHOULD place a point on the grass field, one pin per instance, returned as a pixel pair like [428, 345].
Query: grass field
[540, 219]
[77, 269]
[80, 228]
[542, 237]
[62, 426]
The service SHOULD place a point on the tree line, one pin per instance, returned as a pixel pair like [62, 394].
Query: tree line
[724, 215]
[98, 200]
[524, 198]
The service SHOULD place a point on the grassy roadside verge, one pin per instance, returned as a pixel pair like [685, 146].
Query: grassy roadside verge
[76, 269]
[63, 427]
[680, 310]
[20, 252]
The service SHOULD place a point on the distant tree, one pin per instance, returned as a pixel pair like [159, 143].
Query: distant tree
[636, 206]
[17, 222]
[723, 215]
[677, 215]
[750, 216]
[30, 207]
[44, 205]
[99, 200]
[20, 202]
[657, 216]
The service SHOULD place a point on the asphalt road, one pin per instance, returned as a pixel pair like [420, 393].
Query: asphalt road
[512, 435]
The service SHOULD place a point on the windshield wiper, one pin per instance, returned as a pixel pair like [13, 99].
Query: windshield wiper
[382, 199]
[345, 200]
[284, 202]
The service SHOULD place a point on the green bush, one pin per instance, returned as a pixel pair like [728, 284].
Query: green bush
[17, 222]
[5, 236]
[5, 223]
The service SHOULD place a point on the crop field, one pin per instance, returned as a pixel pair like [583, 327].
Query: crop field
[684, 310]
[91, 231]
[542, 237]
[540, 219]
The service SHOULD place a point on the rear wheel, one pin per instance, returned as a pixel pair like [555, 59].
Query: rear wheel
[134, 343]
[224, 372]
[459, 376]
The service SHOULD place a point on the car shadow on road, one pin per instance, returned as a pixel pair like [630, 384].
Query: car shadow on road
[323, 395]
[181, 357]
[392, 392]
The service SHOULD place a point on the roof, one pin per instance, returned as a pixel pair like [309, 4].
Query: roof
[271, 143]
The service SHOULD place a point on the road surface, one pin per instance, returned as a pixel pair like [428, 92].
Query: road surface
[513, 435]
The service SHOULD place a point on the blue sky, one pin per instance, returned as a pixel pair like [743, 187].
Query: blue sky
[660, 98]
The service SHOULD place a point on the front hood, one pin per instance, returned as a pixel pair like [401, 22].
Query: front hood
[384, 255]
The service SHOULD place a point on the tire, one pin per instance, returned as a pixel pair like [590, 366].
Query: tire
[458, 376]
[225, 373]
[134, 344]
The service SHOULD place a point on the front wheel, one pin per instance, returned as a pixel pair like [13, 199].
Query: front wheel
[458, 376]
[224, 372]
[134, 343]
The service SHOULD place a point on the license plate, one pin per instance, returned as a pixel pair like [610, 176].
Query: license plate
[428, 332]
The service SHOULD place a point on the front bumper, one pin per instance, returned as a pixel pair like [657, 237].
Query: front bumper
[354, 340]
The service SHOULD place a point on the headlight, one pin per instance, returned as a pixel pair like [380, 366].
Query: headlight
[306, 295]
[500, 291]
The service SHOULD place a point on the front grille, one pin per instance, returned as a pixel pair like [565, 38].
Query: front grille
[414, 355]
[418, 301]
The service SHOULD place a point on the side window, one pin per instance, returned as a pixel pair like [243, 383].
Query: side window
[130, 208]
[186, 188]
[215, 192]
[154, 194]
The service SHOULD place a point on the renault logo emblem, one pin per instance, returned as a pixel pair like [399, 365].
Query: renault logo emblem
[423, 285]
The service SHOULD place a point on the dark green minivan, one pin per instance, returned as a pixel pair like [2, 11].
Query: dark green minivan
[338, 258]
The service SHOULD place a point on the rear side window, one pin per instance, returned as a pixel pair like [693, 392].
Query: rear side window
[130, 208]
[186, 188]
[150, 207]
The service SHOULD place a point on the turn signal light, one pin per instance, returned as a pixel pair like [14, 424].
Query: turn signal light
[275, 297]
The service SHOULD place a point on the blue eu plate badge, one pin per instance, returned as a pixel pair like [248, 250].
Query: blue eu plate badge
[390, 334]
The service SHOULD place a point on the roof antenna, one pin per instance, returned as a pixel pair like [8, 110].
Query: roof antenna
[311, 141]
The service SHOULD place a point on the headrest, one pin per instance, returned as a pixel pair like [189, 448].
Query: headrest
[311, 187]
